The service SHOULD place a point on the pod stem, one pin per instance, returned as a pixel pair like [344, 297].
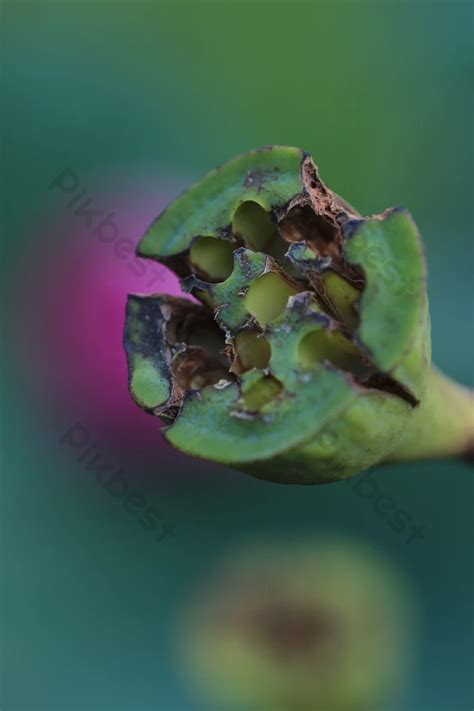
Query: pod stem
[443, 425]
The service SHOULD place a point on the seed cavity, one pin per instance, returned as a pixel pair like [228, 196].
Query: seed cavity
[320, 345]
[343, 296]
[254, 225]
[194, 369]
[252, 350]
[212, 258]
[268, 296]
[261, 393]
[302, 223]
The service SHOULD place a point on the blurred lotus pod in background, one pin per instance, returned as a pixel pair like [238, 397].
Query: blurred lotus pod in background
[317, 625]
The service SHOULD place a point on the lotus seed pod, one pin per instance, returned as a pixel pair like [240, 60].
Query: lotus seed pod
[305, 356]
[315, 625]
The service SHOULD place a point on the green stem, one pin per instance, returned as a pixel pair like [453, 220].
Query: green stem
[443, 425]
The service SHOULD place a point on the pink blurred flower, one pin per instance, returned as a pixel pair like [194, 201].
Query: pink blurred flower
[73, 308]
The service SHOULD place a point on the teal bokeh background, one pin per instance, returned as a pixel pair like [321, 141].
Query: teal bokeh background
[381, 95]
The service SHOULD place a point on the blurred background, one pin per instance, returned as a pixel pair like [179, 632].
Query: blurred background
[124, 104]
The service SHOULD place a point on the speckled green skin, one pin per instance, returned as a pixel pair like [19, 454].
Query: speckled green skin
[325, 424]
[270, 177]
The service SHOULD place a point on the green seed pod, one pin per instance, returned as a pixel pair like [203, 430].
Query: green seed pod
[312, 625]
[309, 356]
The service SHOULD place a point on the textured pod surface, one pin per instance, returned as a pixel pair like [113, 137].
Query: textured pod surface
[310, 349]
[315, 625]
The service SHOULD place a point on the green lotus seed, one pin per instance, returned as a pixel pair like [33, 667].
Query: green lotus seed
[320, 345]
[343, 296]
[260, 393]
[252, 350]
[212, 258]
[268, 296]
[253, 224]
